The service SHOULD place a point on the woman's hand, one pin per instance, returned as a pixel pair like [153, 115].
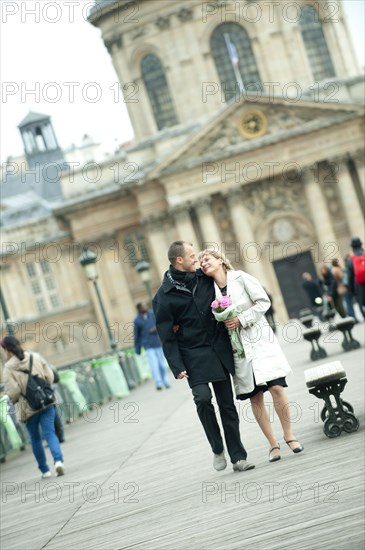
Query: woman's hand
[232, 323]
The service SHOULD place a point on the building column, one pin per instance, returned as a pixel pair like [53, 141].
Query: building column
[359, 161]
[319, 212]
[244, 233]
[184, 225]
[353, 212]
[114, 276]
[157, 243]
[207, 223]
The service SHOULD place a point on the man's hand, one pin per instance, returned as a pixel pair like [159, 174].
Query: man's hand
[232, 323]
[182, 375]
[152, 330]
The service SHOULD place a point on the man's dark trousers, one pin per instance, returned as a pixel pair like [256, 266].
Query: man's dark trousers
[203, 401]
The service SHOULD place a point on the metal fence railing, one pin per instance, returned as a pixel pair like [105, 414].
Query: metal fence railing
[82, 385]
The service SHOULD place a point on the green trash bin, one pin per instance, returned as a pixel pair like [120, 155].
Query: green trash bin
[78, 401]
[143, 366]
[113, 376]
[129, 356]
[13, 440]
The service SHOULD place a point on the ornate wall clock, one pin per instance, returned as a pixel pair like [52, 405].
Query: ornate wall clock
[253, 124]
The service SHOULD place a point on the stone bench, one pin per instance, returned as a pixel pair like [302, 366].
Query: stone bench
[345, 326]
[325, 382]
[306, 317]
[312, 335]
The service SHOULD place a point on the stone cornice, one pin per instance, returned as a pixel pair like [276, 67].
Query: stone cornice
[115, 40]
[56, 237]
[57, 313]
[103, 195]
[202, 203]
[234, 195]
[156, 221]
[181, 209]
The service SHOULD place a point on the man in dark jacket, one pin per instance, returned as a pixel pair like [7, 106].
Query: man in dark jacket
[198, 348]
[145, 334]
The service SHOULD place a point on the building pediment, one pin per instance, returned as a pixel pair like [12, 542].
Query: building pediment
[248, 125]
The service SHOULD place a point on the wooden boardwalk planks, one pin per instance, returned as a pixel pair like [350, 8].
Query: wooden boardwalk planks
[139, 476]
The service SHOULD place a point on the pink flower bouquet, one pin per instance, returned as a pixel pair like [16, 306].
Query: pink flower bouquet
[224, 309]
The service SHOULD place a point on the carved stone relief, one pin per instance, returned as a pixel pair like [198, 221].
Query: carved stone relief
[228, 135]
[264, 198]
[185, 14]
[138, 32]
[163, 23]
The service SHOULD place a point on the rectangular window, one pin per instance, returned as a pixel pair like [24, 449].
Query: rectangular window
[41, 305]
[31, 270]
[43, 285]
[36, 287]
[50, 284]
[54, 300]
[45, 266]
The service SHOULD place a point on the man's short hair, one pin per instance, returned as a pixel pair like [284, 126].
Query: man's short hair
[138, 306]
[176, 249]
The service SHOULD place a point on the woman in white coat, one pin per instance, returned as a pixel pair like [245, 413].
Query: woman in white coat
[264, 366]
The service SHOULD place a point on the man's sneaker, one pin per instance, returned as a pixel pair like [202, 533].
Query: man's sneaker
[242, 465]
[60, 469]
[219, 462]
[46, 474]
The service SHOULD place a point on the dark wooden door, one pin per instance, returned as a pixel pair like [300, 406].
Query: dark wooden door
[289, 273]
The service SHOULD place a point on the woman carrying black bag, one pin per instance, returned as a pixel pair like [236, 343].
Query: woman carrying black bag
[16, 376]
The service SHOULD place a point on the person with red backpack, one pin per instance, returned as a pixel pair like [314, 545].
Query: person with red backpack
[356, 270]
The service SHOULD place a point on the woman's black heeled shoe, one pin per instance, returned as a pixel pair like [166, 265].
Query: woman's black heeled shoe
[296, 449]
[274, 458]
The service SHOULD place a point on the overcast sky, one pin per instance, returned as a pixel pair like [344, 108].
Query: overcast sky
[37, 53]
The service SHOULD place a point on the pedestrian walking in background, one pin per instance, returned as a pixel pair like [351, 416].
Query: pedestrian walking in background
[16, 373]
[145, 335]
[341, 276]
[314, 291]
[330, 287]
[356, 271]
[59, 427]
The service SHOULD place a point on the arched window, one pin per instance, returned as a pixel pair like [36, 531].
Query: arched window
[315, 44]
[153, 75]
[234, 59]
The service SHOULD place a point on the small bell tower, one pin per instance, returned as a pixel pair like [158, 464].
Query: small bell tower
[43, 154]
[40, 142]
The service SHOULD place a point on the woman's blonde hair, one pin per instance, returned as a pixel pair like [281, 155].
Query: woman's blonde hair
[218, 255]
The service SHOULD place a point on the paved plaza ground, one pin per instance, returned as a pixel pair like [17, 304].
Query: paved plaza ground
[139, 476]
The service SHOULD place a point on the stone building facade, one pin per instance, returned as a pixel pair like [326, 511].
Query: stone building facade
[248, 120]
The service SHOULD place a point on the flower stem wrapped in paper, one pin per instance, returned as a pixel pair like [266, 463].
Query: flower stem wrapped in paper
[223, 309]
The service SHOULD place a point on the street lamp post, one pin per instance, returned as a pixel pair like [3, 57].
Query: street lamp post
[9, 326]
[88, 262]
[143, 269]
